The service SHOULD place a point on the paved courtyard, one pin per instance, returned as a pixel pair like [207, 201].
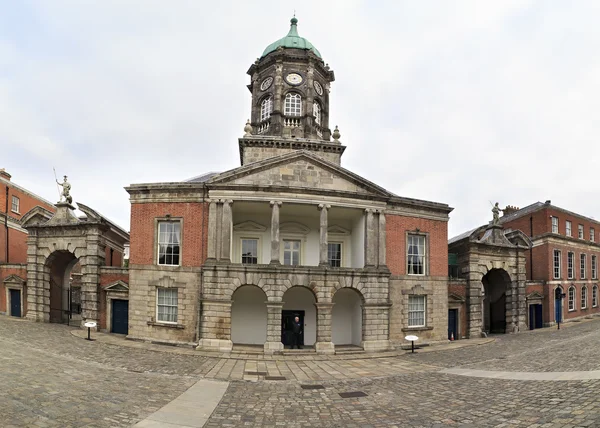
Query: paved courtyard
[52, 377]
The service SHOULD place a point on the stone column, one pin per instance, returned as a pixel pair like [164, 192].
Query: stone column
[382, 239]
[370, 242]
[323, 259]
[212, 230]
[474, 312]
[324, 344]
[226, 232]
[273, 344]
[376, 333]
[275, 257]
[215, 326]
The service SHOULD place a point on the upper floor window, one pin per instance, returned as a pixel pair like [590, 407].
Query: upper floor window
[592, 234]
[169, 239]
[317, 113]
[594, 268]
[583, 297]
[594, 296]
[570, 261]
[293, 105]
[568, 227]
[556, 264]
[291, 253]
[416, 311]
[571, 298]
[166, 305]
[249, 251]
[554, 224]
[334, 254]
[580, 231]
[15, 204]
[416, 255]
[582, 266]
[266, 107]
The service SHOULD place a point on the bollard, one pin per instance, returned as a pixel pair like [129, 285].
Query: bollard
[412, 339]
[89, 325]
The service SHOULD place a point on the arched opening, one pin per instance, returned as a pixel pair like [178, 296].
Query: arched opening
[299, 302]
[63, 300]
[346, 317]
[293, 104]
[249, 316]
[266, 107]
[495, 284]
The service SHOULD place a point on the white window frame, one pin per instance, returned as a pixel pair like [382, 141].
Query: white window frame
[582, 265]
[570, 265]
[584, 297]
[592, 234]
[258, 252]
[158, 241]
[317, 113]
[594, 267]
[176, 306]
[292, 104]
[283, 250]
[572, 295]
[554, 224]
[341, 244]
[415, 308]
[557, 255]
[266, 108]
[568, 228]
[408, 255]
[15, 204]
[594, 296]
[580, 231]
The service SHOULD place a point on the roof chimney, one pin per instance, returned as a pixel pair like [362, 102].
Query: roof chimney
[510, 209]
[4, 174]
[548, 202]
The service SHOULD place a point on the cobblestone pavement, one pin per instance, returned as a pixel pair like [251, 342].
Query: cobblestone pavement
[52, 377]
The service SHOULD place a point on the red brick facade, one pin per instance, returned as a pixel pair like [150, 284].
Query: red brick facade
[5, 272]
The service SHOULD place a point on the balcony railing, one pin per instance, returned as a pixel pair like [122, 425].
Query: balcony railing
[291, 122]
[263, 126]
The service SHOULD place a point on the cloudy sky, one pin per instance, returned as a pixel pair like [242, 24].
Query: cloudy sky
[460, 102]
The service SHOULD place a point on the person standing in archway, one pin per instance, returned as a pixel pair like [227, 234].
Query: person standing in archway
[297, 333]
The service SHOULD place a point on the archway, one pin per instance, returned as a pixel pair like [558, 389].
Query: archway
[59, 266]
[299, 301]
[495, 284]
[346, 317]
[249, 316]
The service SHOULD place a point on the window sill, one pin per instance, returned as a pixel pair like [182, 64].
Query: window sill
[423, 328]
[160, 324]
[15, 212]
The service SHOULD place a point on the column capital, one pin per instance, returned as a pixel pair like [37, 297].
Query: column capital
[278, 203]
[324, 305]
[323, 206]
[226, 201]
[369, 210]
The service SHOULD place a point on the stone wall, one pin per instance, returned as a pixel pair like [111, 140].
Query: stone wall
[257, 153]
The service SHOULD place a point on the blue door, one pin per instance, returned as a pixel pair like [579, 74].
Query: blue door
[120, 316]
[15, 303]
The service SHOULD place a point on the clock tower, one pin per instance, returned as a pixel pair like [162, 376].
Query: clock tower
[290, 102]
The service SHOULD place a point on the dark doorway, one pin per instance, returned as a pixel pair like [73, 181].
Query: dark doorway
[287, 318]
[120, 316]
[452, 324]
[495, 284]
[15, 303]
[535, 316]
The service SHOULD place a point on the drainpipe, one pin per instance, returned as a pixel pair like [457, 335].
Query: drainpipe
[531, 249]
[6, 224]
[199, 323]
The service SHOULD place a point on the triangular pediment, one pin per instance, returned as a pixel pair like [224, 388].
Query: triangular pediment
[294, 227]
[455, 297]
[117, 286]
[249, 226]
[300, 169]
[337, 230]
[534, 296]
[14, 279]
[36, 217]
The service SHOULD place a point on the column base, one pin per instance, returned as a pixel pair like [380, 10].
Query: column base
[273, 348]
[376, 345]
[327, 348]
[216, 345]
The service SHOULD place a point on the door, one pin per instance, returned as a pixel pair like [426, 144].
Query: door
[531, 317]
[453, 324]
[287, 318]
[120, 316]
[15, 303]
[539, 321]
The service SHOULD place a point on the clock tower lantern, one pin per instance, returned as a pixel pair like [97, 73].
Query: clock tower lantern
[290, 102]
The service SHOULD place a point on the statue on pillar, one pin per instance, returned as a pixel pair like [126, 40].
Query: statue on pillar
[66, 191]
[496, 212]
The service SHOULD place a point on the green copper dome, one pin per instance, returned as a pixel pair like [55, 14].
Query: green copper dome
[292, 40]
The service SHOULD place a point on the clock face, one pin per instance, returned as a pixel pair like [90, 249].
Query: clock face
[266, 83]
[293, 79]
[318, 88]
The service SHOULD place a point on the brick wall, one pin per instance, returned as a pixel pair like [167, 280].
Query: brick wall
[398, 226]
[108, 276]
[5, 271]
[143, 233]
[117, 257]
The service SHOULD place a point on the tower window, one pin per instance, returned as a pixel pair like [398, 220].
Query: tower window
[266, 107]
[293, 105]
[317, 113]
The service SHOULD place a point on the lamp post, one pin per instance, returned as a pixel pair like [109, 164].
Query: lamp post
[558, 297]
